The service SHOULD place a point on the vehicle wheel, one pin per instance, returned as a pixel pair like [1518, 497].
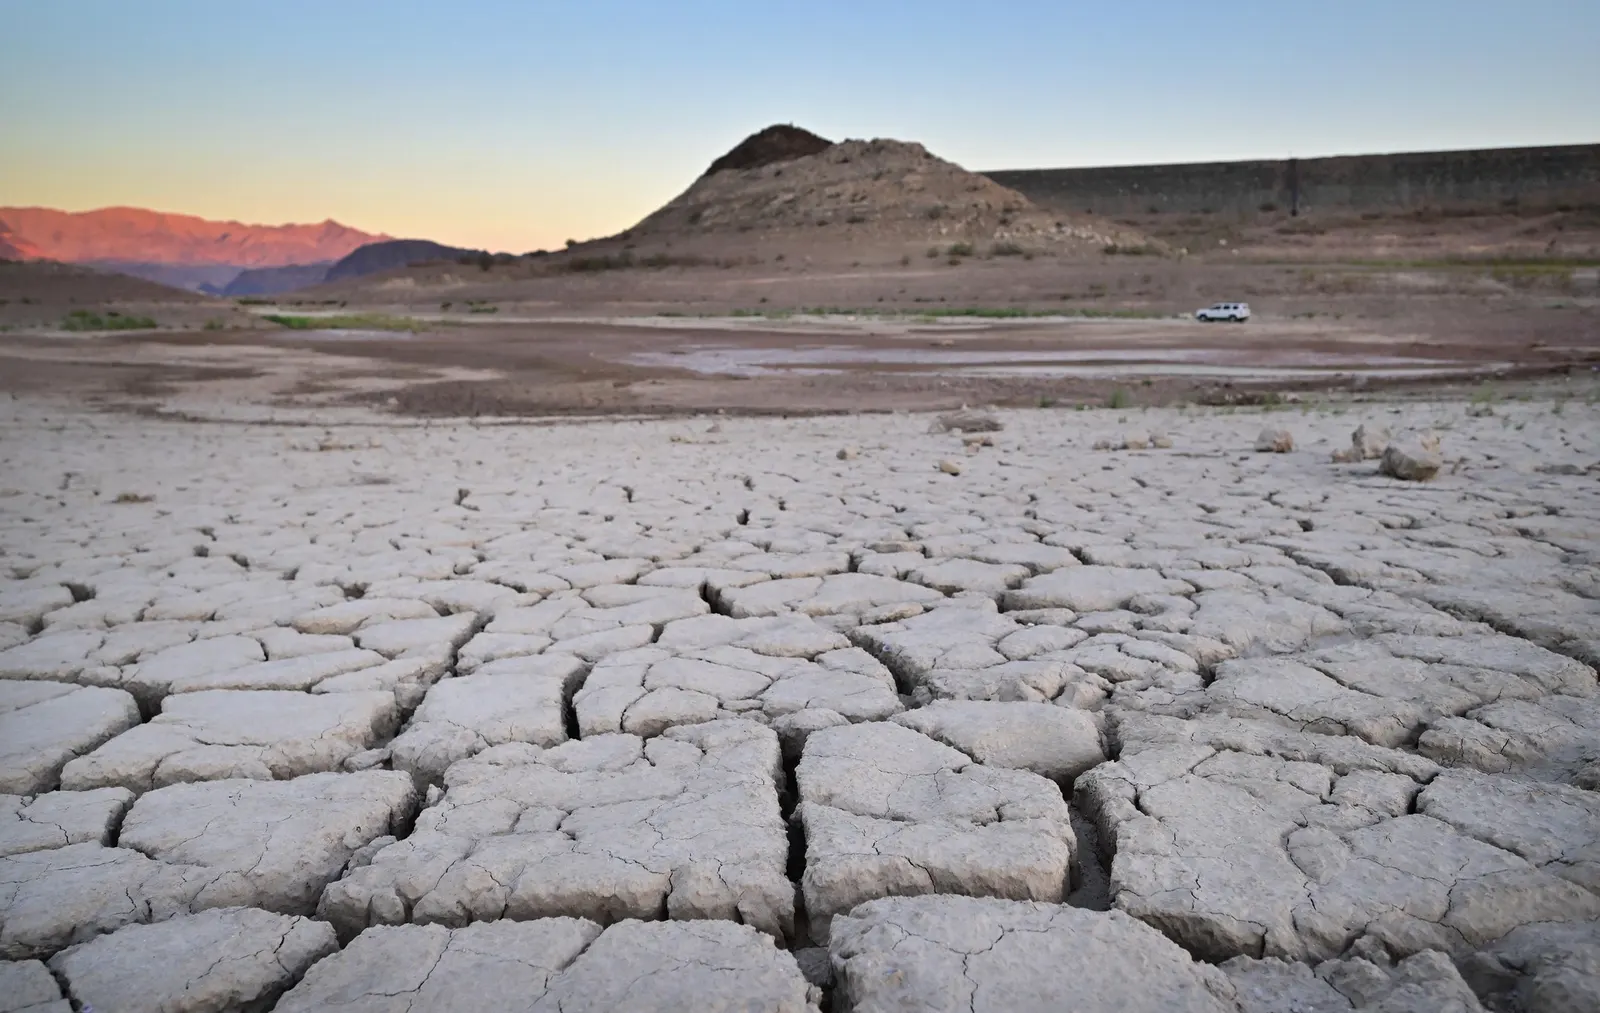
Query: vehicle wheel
[1233, 320]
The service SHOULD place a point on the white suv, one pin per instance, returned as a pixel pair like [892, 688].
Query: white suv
[1235, 312]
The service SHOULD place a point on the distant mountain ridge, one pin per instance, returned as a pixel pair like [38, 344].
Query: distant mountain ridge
[370, 259]
[136, 236]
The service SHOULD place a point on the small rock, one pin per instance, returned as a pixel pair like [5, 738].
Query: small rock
[978, 440]
[1347, 455]
[849, 453]
[1135, 442]
[1412, 458]
[967, 421]
[1161, 441]
[1275, 441]
[1368, 442]
[950, 467]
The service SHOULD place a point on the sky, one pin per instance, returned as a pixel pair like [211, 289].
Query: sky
[518, 124]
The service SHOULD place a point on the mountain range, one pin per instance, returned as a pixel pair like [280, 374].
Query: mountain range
[184, 251]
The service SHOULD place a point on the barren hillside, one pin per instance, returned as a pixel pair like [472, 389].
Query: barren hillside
[863, 195]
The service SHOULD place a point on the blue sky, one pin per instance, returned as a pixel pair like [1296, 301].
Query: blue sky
[517, 125]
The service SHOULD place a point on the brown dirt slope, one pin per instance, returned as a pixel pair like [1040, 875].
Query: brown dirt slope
[42, 283]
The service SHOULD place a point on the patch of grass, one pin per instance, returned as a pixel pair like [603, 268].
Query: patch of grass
[1006, 250]
[132, 497]
[1119, 399]
[111, 320]
[251, 300]
[347, 322]
[1131, 250]
[1530, 264]
[960, 250]
[482, 308]
[216, 324]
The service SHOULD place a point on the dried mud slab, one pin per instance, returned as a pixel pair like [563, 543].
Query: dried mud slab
[221, 734]
[515, 699]
[684, 825]
[888, 811]
[46, 725]
[787, 671]
[997, 956]
[229, 959]
[27, 986]
[58, 818]
[556, 965]
[1233, 853]
[192, 847]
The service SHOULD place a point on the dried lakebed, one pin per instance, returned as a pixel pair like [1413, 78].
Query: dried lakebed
[839, 713]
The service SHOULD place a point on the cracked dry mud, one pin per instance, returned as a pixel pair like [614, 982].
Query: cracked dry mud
[637, 715]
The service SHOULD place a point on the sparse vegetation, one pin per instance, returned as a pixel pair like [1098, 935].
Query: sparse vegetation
[1006, 249]
[1119, 399]
[625, 260]
[133, 497]
[347, 322]
[251, 300]
[1131, 250]
[216, 324]
[960, 250]
[111, 320]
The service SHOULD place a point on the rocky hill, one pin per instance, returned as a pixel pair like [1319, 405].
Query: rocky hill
[861, 194]
[393, 253]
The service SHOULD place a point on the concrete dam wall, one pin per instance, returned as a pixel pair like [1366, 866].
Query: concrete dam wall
[1568, 174]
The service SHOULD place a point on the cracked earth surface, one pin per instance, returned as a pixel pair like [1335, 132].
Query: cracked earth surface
[840, 713]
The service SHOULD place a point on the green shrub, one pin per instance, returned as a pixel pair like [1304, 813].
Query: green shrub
[1119, 399]
[85, 320]
[347, 322]
[961, 250]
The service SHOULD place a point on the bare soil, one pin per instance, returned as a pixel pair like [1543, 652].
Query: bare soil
[738, 329]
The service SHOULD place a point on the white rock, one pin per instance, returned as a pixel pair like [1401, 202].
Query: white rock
[1274, 441]
[1412, 458]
